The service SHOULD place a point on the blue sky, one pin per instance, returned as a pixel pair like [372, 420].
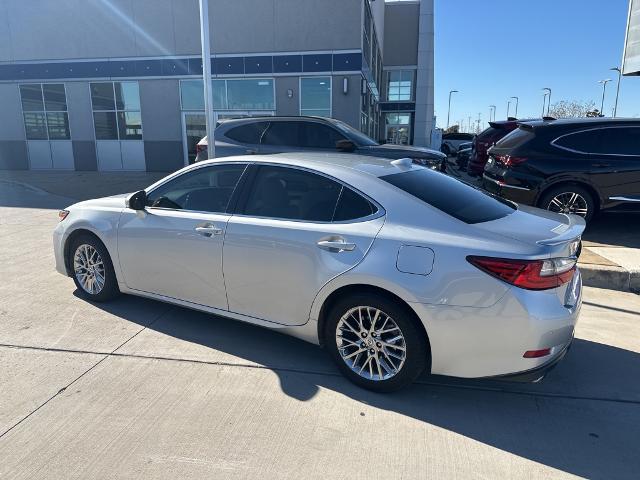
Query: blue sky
[491, 50]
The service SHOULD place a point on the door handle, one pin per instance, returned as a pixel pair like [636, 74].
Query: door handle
[209, 230]
[601, 165]
[336, 246]
[251, 151]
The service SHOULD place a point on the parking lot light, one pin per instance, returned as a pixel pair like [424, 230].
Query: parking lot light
[548, 93]
[449, 111]
[604, 91]
[517, 101]
[615, 108]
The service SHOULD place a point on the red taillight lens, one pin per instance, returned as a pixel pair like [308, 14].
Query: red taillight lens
[528, 274]
[537, 353]
[62, 214]
[510, 161]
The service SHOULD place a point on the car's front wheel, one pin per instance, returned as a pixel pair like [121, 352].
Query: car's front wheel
[376, 342]
[93, 271]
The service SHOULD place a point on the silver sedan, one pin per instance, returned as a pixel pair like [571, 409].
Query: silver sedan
[394, 268]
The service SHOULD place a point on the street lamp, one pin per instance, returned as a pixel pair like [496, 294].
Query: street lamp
[548, 90]
[206, 75]
[492, 108]
[604, 90]
[615, 108]
[449, 111]
[508, 107]
[517, 100]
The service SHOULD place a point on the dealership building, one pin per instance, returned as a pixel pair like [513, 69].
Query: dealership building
[113, 85]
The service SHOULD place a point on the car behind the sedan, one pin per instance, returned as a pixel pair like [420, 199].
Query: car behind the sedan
[395, 269]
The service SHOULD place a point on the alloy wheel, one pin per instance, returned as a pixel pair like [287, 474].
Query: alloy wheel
[569, 202]
[89, 269]
[370, 343]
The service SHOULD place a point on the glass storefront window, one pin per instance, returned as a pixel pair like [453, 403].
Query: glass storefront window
[44, 106]
[399, 85]
[398, 128]
[315, 96]
[243, 94]
[116, 110]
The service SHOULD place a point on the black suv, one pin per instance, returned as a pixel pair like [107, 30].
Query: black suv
[265, 135]
[569, 166]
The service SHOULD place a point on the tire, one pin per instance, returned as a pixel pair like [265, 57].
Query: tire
[446, 150]
[87, 246]
[384, 360]
[558, 199]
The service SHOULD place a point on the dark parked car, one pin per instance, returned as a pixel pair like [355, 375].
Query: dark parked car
[264, 135]
[451, 142]
[569, 166]
[462, 160]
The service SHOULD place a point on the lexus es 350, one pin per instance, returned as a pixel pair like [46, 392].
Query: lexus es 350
[394, 268]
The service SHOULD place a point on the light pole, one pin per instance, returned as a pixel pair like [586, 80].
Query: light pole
[517, 100]
[544, 102]
[604, 91]
[508, 108]
[449, 111]
[615, 108]
[206, 77]
[492, 109]
[548, 90]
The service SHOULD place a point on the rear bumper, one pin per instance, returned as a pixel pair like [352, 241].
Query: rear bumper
[511, 192]
[536, 374]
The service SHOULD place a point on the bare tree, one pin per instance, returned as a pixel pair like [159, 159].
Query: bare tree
[453, 129]
[571, 109]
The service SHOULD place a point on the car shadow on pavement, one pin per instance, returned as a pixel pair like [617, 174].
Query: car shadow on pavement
[615, 229]
[584, 418]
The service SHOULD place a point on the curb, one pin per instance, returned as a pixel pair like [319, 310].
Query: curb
[610, 277]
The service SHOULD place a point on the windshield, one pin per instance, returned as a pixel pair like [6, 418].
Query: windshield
[356, 136]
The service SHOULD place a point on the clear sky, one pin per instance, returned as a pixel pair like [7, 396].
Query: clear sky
[491, 50]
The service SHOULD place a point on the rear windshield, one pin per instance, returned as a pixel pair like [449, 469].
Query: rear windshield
[516, 138]
[451, 196]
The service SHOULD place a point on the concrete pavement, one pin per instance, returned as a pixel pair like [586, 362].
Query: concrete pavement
[140, 389]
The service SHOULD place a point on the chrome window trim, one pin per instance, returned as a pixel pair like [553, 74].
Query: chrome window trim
[622, 198]
[553, 142]
[381, 211]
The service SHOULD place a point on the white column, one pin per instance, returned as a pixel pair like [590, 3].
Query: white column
[424, 120]
[206, 76]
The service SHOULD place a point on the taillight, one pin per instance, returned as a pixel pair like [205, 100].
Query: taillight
[510, 161]
[62, 214]
[528, 274]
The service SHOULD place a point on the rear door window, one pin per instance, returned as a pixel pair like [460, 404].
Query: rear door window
[583, 142]
[352, 206]
[249, 133]
[317, 135]
[516, 138]
[282, 133]
[451, 196]
[618, 141]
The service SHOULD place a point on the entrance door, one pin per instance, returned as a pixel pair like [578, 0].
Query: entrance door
[398, 128]
[194, 128]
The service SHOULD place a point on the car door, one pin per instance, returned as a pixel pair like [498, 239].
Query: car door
[293, 232]
[174, 247]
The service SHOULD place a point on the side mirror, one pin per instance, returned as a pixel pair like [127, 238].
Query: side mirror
[345, 145]
[137, 201]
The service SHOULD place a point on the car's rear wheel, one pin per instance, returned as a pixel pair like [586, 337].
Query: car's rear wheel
[376, 342]
[569, 199]
[93, 271]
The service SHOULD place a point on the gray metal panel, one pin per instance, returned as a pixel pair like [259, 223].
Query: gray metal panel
[242, 25]
[186, 25]
[313, 25]
[13, 155]
[163, 156]
[84, 156]
[401, 34]
[631, 60]
[6, 53]
[11, 123]
[284, 104]
[154, 34]
[160, 105]
[346, 107]
[80, 112]
[424, 123]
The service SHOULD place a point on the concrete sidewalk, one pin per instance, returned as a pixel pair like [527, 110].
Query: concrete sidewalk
[610, 258]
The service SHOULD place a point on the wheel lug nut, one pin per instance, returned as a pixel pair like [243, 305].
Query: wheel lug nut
[378, 345]
[364, 334]
[372, 351]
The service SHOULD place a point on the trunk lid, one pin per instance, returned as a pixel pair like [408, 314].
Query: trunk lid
[538, 227]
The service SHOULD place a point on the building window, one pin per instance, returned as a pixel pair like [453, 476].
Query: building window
[400, 85]
[116, 110]
[241, 94]
[315, 96]
[44, 108]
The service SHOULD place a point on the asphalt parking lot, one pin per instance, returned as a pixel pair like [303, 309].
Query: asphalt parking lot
[140, 389]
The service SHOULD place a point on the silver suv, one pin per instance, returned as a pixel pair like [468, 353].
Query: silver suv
[265, 135]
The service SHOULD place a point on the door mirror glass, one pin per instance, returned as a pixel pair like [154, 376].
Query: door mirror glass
[345, 145]
[137, 201]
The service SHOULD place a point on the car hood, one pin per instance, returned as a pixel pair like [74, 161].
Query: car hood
[399, 151]
[537, 227]
[114, 201]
